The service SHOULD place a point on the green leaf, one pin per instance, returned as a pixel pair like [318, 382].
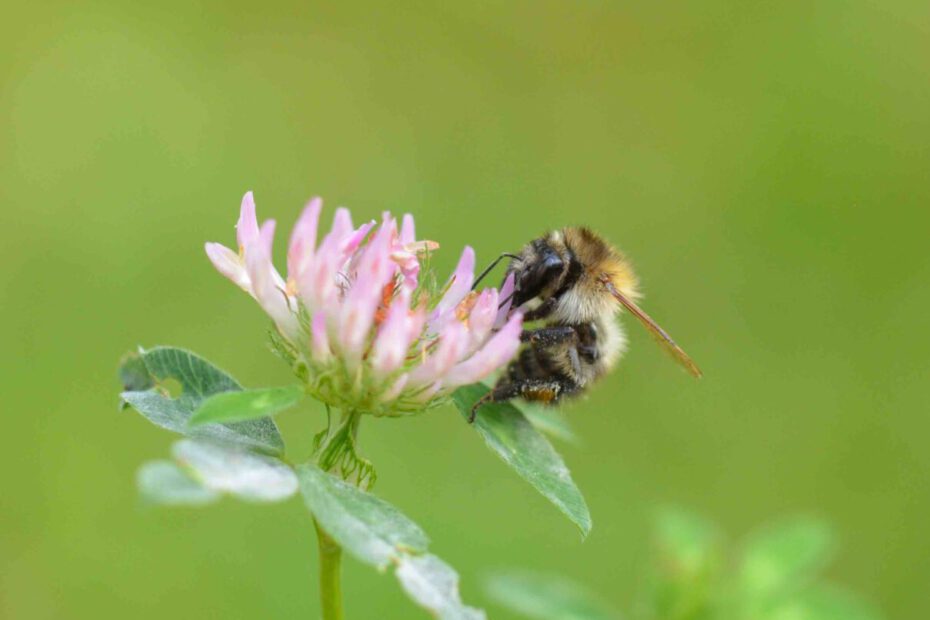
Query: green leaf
[822, 603]
[511, 436]
[378, 534]
[783, 556]
[245, 405]
[686, 577]
[369, 528]
[236, 471]
[163, 482]
[549, 420]
[133, 374]
[688, 545]
[198, 380]
[434, 585]
[546, 597]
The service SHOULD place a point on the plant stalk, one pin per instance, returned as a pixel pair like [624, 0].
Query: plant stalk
[330, 576]
[334, 452]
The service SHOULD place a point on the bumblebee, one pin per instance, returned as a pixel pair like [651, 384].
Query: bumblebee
[574, 283]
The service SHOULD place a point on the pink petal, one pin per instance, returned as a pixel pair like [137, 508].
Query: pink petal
[319, 283]
[409, 267]
[495, 354]
[267, 286]
[407, 230]
[247, 226]
[319, 338]
[482, 317]
[393, 341]
[229, 264]
[460, 285]
[404, 259]
[342, 227]
[303, 240]
[399, 331]
[406, 252]
[506, 293]
[373, 272]
[428, 394]
[453, 343]
[396, 388]
[351, 249]
[353, 241]
[462, 278]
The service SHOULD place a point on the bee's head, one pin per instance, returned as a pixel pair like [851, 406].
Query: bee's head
[572, 264]
[541, 268]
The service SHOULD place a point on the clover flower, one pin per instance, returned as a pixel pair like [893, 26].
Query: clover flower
[358, 319]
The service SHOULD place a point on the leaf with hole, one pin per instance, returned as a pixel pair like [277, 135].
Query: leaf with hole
[245, 405]
[369, 528]
[133, 375]
[198, 380]
[508, 433]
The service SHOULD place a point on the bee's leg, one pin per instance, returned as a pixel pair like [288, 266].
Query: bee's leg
[587, 342]
[500, 392]
[544, 391]
[541, 312]
[549, 336]
[574, 360]
[567, 387]
[548, 391]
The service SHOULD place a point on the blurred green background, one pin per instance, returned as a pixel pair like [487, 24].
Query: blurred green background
[766, 165]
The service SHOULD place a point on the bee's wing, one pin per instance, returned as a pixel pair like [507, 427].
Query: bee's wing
[660, 334]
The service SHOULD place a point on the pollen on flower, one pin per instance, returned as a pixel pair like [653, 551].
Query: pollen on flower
[365, 323]
[463, 310]
[290, 288]
[387, 295]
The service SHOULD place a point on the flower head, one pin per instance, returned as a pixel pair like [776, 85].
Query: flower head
[357, 320]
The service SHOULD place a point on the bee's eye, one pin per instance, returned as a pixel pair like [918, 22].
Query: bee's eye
[551, 270]
[537, 275]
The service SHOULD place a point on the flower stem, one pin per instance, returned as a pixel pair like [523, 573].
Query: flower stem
[334, 452]
[330, 576]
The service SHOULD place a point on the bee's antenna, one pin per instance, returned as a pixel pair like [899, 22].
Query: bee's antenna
[506, 299]
[490, 267]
